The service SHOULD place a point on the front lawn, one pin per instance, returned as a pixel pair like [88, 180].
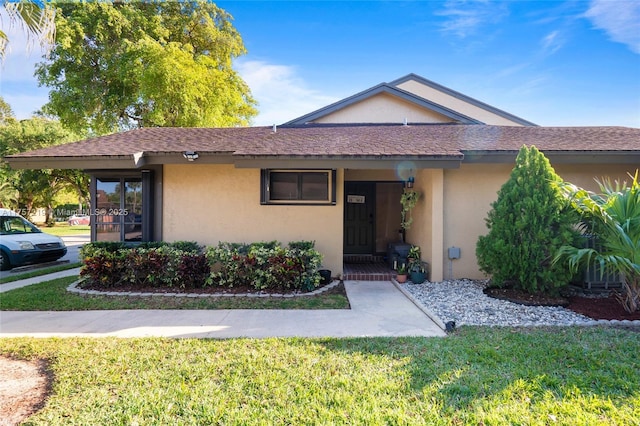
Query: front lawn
[53, 296]
[39, 272]
[564, 376]
[63, 229]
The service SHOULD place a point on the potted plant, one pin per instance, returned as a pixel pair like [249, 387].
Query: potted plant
[401, 273]
[414, 253]
[418, 271]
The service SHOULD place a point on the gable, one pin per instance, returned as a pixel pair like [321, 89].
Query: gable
[457, 101]
[411, 99]
[384, 108]
[394, 99]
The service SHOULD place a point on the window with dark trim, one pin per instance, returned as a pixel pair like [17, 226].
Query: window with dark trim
[122, 207]
[288, 186]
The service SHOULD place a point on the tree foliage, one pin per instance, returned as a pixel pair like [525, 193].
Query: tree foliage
[123, 65]
[27, 189]
[528, 223]
[35, 17]
[6, 112]
[613, 218]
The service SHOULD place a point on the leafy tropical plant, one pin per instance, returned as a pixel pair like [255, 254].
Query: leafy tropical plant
[613, 217]
[527, 224]
[408, 200]
[35, 17]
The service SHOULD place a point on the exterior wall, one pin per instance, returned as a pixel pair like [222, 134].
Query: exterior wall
[384, 108]
[455, 104]
[468, 194]
[427, 229]
[213, 203]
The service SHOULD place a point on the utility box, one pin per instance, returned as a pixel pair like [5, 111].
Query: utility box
[454, 253]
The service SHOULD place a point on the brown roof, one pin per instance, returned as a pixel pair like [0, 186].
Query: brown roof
[349, 141]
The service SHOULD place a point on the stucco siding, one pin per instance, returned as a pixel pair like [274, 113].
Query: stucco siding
[468, 194]
[213, 203]
[383, 108]
[455, 104]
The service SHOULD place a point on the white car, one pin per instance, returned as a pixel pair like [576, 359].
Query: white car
[21, 242]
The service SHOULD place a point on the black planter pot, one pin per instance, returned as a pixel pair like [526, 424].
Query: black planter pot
[325, 276]
[418, 277]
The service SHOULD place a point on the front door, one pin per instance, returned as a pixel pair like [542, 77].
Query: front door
[359, 220]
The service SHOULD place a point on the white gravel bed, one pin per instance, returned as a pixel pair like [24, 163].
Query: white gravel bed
[463, 302]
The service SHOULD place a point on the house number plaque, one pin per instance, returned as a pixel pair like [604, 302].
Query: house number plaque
[355, 199]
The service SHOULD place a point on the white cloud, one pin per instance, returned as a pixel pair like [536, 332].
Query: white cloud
[552, 42]
[619, 19]
[282, 95]
[465, 17]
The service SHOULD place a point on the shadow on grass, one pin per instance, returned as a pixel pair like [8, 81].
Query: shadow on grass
[506, 375]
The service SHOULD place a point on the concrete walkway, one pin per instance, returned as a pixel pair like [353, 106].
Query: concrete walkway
[377, 309]
[35, 280]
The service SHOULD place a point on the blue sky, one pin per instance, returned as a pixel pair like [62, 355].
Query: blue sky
[556, 63]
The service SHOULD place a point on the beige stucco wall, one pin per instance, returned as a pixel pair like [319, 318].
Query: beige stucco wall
[455, 104]
[427, 229]
[213, 203]
[384, 108]
[468, 194]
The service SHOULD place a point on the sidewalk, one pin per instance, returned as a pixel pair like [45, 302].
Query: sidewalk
[377, 309]
[35, 280]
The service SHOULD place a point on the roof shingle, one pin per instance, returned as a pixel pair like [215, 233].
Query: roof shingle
[349, 141]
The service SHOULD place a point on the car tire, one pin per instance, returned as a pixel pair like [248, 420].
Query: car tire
[4, 261]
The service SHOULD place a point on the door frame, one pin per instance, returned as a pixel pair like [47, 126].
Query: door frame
[371, 202]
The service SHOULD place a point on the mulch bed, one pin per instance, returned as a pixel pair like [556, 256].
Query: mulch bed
[213, 290]
[605, 307]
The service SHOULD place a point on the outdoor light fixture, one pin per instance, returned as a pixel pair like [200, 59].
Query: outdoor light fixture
[410, 181]
[190, 155]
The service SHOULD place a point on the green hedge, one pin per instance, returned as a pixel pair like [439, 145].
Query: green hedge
[264, 265]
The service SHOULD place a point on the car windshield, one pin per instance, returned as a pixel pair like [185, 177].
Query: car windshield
[11, 225]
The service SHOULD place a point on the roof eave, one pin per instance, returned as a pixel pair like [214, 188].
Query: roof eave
[349, 162]
[556, 157]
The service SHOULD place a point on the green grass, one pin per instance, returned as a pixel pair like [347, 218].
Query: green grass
[39, 272]
[63, 229]
[491, 376]
[53, 296]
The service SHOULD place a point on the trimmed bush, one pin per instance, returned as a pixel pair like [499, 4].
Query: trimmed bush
[528, 223]
[263, 265]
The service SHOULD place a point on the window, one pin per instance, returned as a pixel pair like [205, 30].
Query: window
[298, 187]
[121, 212]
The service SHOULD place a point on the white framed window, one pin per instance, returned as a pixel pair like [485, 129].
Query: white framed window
[298, 186]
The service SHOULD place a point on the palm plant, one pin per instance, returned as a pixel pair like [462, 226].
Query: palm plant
[36, 18]
[613, 217]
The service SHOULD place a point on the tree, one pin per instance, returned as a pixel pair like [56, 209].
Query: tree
[124, 65]
[26, 189]
[613, 217]
[35, 17]
[528, 223]
[6, 112]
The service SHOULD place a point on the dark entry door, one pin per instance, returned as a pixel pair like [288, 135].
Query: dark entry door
[359, 220]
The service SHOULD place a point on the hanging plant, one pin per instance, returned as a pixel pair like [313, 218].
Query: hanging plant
[408, 200]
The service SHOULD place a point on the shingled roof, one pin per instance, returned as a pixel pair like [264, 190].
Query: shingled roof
[347, 142]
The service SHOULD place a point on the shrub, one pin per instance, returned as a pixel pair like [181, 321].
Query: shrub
[613, 217]
[265, 265]
[89, 250]
[192, 270]
[105, 267]
[528, 223]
